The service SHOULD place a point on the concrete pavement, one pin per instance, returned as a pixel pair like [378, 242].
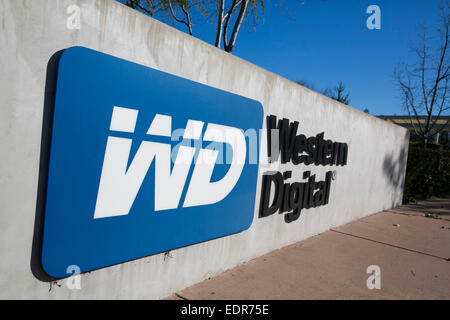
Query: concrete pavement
[410, 245]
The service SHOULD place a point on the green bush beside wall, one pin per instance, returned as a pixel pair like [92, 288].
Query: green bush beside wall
[427, 173]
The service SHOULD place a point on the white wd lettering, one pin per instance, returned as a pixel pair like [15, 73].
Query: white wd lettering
[201, 191]
[119, 186]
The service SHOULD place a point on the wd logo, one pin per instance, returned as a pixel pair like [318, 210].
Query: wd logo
[120, 183]
[142, 162]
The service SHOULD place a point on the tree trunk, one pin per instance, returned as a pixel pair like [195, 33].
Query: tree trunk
[229, 48]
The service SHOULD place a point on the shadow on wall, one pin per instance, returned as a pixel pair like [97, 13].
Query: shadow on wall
[394, 170]
[49, 99]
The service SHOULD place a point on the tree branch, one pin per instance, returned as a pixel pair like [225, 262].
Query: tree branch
[188, 17]
[187, 24]
[237, 26]
[140, 6]
[220, 23]
[227, 21]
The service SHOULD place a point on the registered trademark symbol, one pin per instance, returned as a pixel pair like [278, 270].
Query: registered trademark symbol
[334, 175]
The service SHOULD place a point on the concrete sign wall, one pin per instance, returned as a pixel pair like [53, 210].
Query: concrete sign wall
[354, 162]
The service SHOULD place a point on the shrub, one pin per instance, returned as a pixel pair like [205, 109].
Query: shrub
[427, 173]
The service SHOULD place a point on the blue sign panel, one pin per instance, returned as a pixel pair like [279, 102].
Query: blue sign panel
[142, 162]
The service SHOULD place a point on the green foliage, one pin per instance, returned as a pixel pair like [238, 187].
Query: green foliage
[427, 172]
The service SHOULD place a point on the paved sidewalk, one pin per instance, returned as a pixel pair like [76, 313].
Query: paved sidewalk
[410, 244]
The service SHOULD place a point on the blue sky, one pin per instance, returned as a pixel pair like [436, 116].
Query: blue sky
[325, 41]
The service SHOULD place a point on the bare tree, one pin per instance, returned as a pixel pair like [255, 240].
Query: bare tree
[306, 84]
[338, 93]
[424, 85]
[227, 15]
[168, 8]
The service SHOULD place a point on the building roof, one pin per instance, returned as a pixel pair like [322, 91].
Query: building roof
[405, 121]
